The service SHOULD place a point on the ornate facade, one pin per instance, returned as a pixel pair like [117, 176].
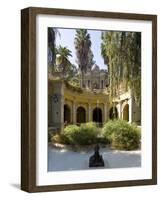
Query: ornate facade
[70, 105]
[95, 78]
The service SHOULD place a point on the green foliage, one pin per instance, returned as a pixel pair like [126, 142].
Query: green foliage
[108, 129]
[85, 134]
[52, 33]
[82, 43]
[74, 81]
[122, 54]
[72, 87]
[51, 133]
[60, 138]
[62, 59]
[91, 61]
[70, 131]
[122, 135]
[72, 76]
[119, 133]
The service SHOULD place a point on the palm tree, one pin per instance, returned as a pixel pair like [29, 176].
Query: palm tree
[52, 32]
[62, 58]
[82, 44]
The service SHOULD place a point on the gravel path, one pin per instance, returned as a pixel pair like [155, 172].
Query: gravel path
[65, 159]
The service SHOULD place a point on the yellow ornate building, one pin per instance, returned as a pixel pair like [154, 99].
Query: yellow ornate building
[72, 105]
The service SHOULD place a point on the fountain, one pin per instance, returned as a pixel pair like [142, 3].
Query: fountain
[96, 160]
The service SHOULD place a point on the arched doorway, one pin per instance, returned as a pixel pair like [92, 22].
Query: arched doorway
[126, 112]
[113, 113]
[81, 115]
[67, 114]
[97, 115]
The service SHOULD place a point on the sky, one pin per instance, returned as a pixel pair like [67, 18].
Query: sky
[66, 38]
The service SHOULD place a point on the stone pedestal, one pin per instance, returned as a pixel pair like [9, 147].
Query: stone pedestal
[96, 160]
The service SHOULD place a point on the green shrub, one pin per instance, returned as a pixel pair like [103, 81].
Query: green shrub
[108, 129]
[60, 138]
[84, 134]
[69, 132]
[87, 134]
[51, 133]
[122, 135]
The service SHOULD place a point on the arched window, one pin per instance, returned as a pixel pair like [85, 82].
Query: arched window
[97, 115]
[81, 115]
[113, 113]
[67, 114]
[126, 112]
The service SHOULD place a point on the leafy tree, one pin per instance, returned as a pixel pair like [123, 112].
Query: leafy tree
[91, 61]
[72, 75]
[122, 54]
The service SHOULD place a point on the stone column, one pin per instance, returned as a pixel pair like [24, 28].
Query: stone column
[120, 110]
[130, 109]
[74, 112]
[89, 112]
[105, 112]
[58, 106]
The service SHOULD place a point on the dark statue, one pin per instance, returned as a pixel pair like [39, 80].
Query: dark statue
[96, 159]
